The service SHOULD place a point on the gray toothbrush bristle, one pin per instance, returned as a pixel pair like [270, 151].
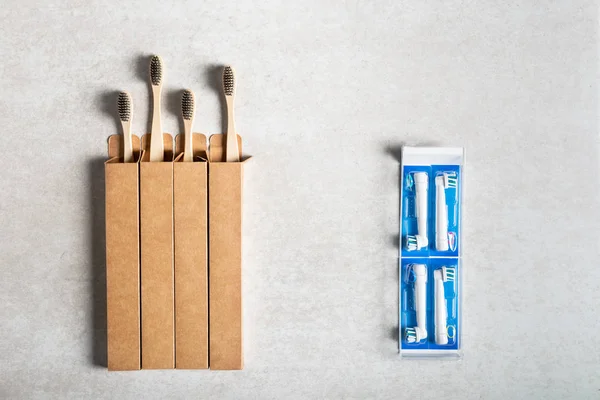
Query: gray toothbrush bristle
[156, 70]
[124, 106]
[187, 105]
[228, 81]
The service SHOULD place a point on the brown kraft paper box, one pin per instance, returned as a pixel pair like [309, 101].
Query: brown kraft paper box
[156, 240]
[122, 257]
[191, 262]
[225, 258]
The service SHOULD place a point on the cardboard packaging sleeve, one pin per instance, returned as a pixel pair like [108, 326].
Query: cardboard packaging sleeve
[122, 257]
[190, 209]
[156, 245]
[225, 258]
[159, 274]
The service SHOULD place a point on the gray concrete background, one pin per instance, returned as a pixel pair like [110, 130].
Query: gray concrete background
[327, 93]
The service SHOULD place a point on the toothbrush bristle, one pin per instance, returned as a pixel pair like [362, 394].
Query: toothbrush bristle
[410, 182]
[228, 81]
[124, 106]
[449, 273]
[156, 70]
[451, 180]
[411, 243]
[411, 335]
[187, 104]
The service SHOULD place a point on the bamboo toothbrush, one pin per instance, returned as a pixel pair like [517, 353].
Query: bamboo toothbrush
[187, 112]
[157, 151]
[125, 108]
[232, 153]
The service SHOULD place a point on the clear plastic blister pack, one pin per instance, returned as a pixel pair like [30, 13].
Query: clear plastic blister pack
[430, 211]
[429, 304]
[430, 263]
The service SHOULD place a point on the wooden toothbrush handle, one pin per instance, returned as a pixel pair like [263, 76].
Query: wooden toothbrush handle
[232, 152]
[188, 149]
[127, 142]
[157, 151]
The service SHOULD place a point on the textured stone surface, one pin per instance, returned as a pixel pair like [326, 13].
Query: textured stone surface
[326, 94]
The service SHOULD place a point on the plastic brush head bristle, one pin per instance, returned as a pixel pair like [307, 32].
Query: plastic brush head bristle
[448, 274]
[410, 182]
[411, 243]
[187, 105]
[410, 334]
[228, 81]
[156, 70]
[450, 180]
[124, 106]
[415, 242]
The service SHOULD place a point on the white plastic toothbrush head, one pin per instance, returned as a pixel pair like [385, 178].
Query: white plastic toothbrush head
[448, 274]
[440, 180]
[450, 180]
[420, 270]
[414, 335]
[416, 242]
[420, 178]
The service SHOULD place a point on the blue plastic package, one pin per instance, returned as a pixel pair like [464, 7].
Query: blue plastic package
[430, 263]
[440, 328]
[441, 194]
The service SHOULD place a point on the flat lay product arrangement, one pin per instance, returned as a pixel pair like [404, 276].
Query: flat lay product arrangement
[430, 259]
[174, 242]
[173, 236]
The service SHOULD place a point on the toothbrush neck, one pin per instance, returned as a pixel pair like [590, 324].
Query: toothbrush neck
[156, 123]
[230, 116]
[187, 125]
[126, 125]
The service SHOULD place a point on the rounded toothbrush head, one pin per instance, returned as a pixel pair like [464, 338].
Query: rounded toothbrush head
[450, 180]
[414, 335]
[228, 81]
[416, 242]
[187, 105]
[440, 180]
[448, 274]
[156, 70]
[420, 178]
[419, 269]
[124, 106]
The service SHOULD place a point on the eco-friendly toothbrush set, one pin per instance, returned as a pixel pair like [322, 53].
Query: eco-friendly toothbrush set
[173, 236]
[430, 263]
[169, 205]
